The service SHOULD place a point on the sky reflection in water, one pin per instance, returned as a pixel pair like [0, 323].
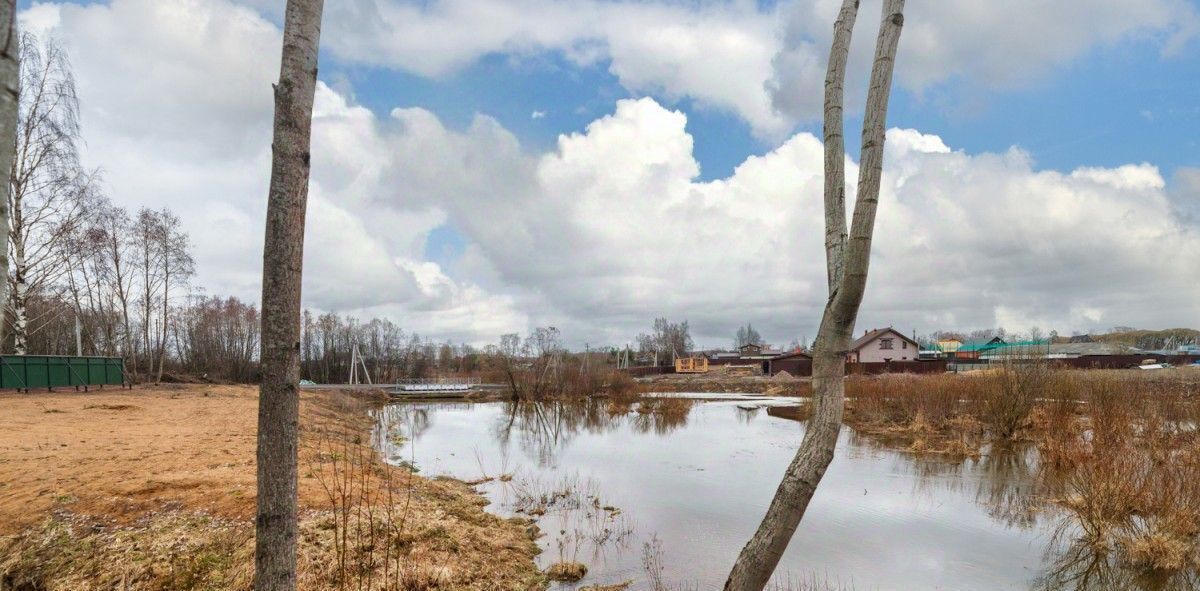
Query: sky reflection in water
[700, 483]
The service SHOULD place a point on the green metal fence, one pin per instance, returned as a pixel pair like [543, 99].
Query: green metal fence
[26, 372]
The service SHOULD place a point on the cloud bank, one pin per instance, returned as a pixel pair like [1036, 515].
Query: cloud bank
[611, 227]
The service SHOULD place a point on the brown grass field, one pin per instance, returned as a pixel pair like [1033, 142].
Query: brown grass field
[153, 488]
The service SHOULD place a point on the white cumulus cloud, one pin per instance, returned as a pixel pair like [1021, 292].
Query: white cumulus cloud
[612, 226]
[176, 107]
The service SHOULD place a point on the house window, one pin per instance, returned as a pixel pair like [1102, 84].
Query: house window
[885, 343]
[903, 344]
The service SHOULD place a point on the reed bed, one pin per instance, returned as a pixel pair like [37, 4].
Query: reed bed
[1118, 451]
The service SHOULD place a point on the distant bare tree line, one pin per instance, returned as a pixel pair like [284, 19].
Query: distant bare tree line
[389, 353]
[666, 341]
[746, 335]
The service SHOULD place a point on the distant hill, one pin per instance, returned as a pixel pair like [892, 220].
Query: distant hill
[1151, 339]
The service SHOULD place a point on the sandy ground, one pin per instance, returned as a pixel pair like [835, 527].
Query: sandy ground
[123, 452]
[131, 488]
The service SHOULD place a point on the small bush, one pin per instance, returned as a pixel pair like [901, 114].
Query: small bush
[566, 571]
[1009, 396]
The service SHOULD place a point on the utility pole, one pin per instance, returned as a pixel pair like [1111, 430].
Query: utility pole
[356, 362]
[79, 338]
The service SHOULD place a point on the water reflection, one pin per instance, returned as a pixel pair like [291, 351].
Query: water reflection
[1002, 480]
[1084, 568]
[542, 429]
[606, 478]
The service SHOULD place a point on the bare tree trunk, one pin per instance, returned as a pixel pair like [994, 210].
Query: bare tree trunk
[283, 257]
[847, 263]
[20, 302]
[147, 297]
[835, 144]
[162, 346]
[122, 277]
[10, 87]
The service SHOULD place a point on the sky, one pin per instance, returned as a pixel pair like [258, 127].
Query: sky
[483, 167]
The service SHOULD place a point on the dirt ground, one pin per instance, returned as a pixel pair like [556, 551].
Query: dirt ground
[121, 453]
[139, 472]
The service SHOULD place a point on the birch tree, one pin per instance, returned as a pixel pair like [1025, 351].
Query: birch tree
[177, 267]
[111, 232]
[87, 273]
[847, 259]
[283, 258]
[10, 90]
[147, 236]
[47, 183]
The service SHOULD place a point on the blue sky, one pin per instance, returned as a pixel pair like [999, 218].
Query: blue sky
[1118, 104]
[1122, 104]
[565, 97]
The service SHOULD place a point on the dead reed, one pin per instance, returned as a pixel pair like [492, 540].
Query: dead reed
[1128, 471]
[662, 414]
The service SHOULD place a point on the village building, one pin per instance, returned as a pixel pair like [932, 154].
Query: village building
[883, 345]
[975, 349]
[949, 346]
[796, 363]
[753, 352]
[748, 354]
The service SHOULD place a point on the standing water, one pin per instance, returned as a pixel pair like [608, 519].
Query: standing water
[673, 496]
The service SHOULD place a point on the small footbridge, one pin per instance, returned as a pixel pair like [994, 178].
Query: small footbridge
[427, 387]
[418, 387]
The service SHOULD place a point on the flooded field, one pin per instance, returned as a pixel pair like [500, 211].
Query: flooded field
[665, 497]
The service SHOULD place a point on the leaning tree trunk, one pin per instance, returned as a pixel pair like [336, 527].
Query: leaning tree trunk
[283, 255]
[10, 88]
[846, 265]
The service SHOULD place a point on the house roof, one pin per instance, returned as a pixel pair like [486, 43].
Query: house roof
[724, 355]
[791, 355]
[1093, 348]
[873, 334]
[982, 345]
[754, 352]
